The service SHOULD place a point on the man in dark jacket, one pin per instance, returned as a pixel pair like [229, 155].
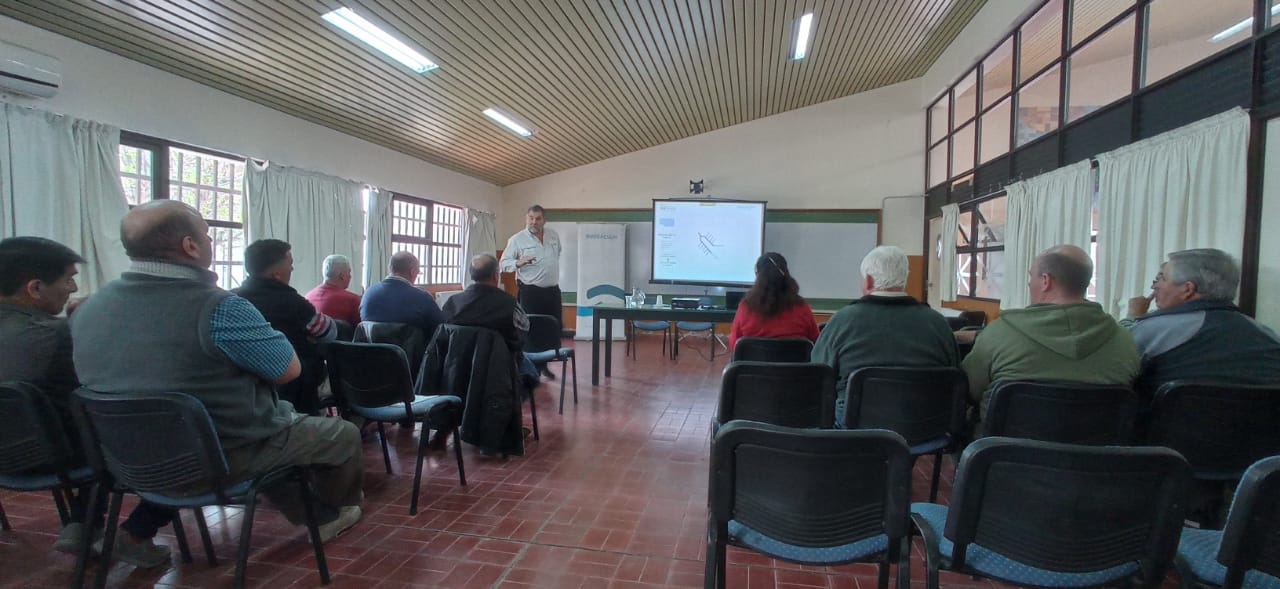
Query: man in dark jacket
[269, 263]
[484, 304]
[1198, 334]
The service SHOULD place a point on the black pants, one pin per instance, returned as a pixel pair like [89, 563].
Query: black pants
[541, 301]
[143, 522]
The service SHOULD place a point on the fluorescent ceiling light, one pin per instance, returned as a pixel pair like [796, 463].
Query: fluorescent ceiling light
[507, 122]
[358, 27]
[1235, 29]
[803, 33]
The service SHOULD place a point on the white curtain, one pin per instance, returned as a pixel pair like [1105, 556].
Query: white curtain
[1044, 211]
[1179, 190]
[481, 238]
[317, 214]
[947, 265]
[377, 237]
[60, 179]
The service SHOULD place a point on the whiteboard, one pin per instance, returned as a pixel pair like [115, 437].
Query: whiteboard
[824, 257]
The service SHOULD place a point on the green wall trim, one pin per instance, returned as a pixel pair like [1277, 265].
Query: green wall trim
[818, 305]
[771, 216]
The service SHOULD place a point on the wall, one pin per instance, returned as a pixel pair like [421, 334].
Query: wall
[105, 87]
[848, 153]
[1268, 305]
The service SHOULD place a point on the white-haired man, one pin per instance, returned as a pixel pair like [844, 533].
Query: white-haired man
[886, 327]
[331, 297]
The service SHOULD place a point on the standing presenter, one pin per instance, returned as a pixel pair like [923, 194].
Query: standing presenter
[534, 255]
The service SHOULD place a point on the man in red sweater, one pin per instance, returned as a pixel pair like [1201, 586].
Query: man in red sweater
[331, 297]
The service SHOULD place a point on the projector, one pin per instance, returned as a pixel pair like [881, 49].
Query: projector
[685, 303]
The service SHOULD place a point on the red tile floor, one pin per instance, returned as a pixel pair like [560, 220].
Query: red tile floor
[613, 496]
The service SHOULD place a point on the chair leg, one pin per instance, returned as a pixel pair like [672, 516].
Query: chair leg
[533, 415]
[180, 533]
[60, 501]
[457, 451]
[4, 520]
[313, 527]
[246, 533]
[386, 456]
[883, 581]
[109, 539]
[563, 364]
[904, 562]
[937, 472]
[204, 537]
[417, 470]
[574, 359]
[82, 554]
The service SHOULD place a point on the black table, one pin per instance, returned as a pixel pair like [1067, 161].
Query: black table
[608, 313]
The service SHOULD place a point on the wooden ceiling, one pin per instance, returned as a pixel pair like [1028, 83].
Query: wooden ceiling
[595, 79]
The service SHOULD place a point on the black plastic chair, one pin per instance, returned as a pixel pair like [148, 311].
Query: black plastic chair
[1246, 553]
[35, 452]
[155, 443]
[372, 381]
[346, 331]
[1043, 514]
[772, 349]
[543, 345]
[1062, 412]
[925, 405]
[409, 338]
[1220, 429]
[822, 497]
[786, 394]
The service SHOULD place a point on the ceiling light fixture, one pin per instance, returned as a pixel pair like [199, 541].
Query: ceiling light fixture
[507, 122]
[803, 32]
[356, 25]
[1235, 29]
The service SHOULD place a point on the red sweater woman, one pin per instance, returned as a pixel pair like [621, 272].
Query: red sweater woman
[773, 307]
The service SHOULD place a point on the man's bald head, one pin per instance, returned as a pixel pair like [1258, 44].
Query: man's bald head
[405, 265]
[166, 230]
[1070, 268]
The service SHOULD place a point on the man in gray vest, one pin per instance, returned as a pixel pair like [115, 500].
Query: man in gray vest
[164, 325]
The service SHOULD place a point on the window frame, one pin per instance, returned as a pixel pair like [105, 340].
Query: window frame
[971, 206]
[430, 240]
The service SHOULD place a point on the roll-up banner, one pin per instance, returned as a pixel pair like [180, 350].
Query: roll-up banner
[602, 273]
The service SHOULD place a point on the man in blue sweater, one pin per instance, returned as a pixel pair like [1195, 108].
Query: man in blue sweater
[397, 300]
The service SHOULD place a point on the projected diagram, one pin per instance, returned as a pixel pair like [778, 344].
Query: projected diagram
[706, 241]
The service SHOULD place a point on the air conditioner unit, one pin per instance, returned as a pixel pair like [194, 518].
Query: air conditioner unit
[24, 71]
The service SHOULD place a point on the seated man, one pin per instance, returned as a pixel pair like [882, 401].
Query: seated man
[37, 277]
[164, 325]
[331, 297]
[886, 327]
[397, 300]
[485, 304]
[1198, 333]
[1060, 337]
[269, 263]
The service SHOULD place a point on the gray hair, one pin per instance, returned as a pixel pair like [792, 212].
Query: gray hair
[887, 267]
[1214, 272]
[335, 264]
[483, 267]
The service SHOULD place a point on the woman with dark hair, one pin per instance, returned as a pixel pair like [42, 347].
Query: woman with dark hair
[773, 307]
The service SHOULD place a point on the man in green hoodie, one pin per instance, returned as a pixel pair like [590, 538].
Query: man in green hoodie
[1059, 337]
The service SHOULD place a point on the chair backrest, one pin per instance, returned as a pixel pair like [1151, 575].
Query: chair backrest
[1062, 412]
[1251, 539]
[1220, 429]
[153, 442]
[369, 375]
[772, 349]
[346, 331]
[1069, 508]
[32, 436]
[813, 488]
[787, 394]
[920, 403]
[544, 333]
[410, 338]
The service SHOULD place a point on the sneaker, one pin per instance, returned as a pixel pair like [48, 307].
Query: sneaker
[144, 554]
[347, 517]
[70, 537]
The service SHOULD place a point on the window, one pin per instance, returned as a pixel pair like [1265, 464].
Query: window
[432, 232]
[980, 248]
[1101, 72]
[212, 183]
[1182, 33]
